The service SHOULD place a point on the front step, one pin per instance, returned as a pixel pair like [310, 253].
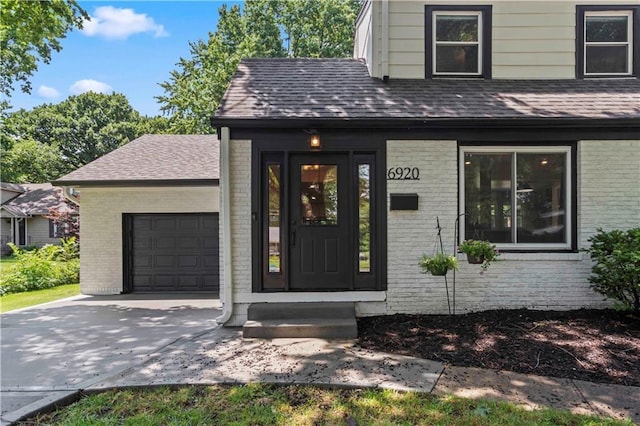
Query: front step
[299, 320]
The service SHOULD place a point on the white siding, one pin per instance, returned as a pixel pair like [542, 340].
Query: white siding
[101, 210]
[363, 43]
[531, 39]
[38, 232]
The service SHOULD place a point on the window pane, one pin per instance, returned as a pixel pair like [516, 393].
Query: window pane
[456, 28]
[541, 196]
[457, 59]
[488, 186]
[364, 209]
[607, 59]
[607, 28]
[319, 194]
[273, 171]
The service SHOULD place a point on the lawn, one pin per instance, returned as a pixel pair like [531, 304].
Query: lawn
[259, 404]
[10, 302]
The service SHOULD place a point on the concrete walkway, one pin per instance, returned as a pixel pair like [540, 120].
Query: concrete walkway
[220, 355]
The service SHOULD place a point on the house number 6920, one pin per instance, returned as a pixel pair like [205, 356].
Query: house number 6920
[403, 173]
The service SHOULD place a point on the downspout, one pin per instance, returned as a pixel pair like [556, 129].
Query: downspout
[385, 40]
[66, 191]
[225, 195]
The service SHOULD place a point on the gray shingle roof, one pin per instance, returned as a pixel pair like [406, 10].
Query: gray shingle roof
[38, 199]
[153, 158]
[341, 89]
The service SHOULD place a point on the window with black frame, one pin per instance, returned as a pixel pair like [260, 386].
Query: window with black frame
[518, 198]
[607, 41]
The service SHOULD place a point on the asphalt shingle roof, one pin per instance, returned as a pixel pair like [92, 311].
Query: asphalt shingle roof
[37, 199]
[153, 158]
[342, 89]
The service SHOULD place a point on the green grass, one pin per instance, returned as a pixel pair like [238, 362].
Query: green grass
[10, 302]
[258, 404]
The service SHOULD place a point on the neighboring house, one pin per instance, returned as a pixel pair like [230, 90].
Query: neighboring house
[24, 214]
[150, 216]
[519, 118]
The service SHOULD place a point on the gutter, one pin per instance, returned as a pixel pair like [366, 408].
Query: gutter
[225, 194]
[66, 191]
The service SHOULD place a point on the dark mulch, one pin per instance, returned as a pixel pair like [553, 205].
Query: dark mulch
[595, 345]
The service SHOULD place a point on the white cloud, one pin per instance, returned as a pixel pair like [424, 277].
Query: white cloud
[47, 92]
[115, 23]
[82, 86]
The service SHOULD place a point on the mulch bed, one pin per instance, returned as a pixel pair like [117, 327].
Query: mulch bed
[595, 345]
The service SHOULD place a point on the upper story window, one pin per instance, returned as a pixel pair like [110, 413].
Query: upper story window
[607, 41]
[458, 41]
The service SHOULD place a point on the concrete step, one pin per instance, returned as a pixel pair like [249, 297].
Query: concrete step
[295, 320]
[265, 311]
[301, 328]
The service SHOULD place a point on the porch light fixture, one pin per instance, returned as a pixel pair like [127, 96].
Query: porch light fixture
[314, 141]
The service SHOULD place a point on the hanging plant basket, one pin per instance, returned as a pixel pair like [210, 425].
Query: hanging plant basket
[475, 260]
[438, 264]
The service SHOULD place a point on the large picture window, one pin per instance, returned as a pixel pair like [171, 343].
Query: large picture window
[517, 197]
[607, 41]
[458, 41]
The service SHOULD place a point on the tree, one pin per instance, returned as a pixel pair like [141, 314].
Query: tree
[29, 32]
[53, 139]
[29, 161]
[318, 29]
[314, 29]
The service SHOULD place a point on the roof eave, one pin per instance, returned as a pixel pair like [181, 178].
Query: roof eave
[433, 123]
[137, 182]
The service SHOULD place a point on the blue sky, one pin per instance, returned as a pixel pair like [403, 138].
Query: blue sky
[128, 47]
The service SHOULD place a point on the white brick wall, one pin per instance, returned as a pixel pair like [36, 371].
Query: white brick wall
[609, 184]
[240, 173]
[608, 197]
[101, 212]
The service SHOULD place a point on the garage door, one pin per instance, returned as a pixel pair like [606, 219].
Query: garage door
[173, 252]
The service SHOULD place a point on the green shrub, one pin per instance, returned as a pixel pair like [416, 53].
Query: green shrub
[39, 269]
[69, 249]
[616, 273]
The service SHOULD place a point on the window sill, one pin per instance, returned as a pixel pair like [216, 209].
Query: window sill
[546, 257]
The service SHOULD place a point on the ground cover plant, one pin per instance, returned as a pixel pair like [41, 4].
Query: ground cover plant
[11, 302]
[261, 404]
[594, 345]
[41, 268]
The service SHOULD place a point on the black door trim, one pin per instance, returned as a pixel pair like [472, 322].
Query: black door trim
[280, 146]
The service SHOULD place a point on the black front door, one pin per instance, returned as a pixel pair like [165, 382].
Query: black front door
[320, 241]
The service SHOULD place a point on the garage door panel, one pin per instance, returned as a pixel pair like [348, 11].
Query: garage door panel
[210, 261]
[165, 224]
[188, 242]
[141, 261]
[165, 242]
[210, 243]
[186, 224]
[174, 252]
[165, 261]
[143, 242]
[188, 261]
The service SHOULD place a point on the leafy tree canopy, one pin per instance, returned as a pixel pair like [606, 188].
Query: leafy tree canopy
[266, 28]
[29, 32]
[53, 139]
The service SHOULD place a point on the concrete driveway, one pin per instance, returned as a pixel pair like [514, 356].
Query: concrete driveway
[53, 349]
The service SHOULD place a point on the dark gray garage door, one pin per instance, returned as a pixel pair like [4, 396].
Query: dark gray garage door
[173, 252]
